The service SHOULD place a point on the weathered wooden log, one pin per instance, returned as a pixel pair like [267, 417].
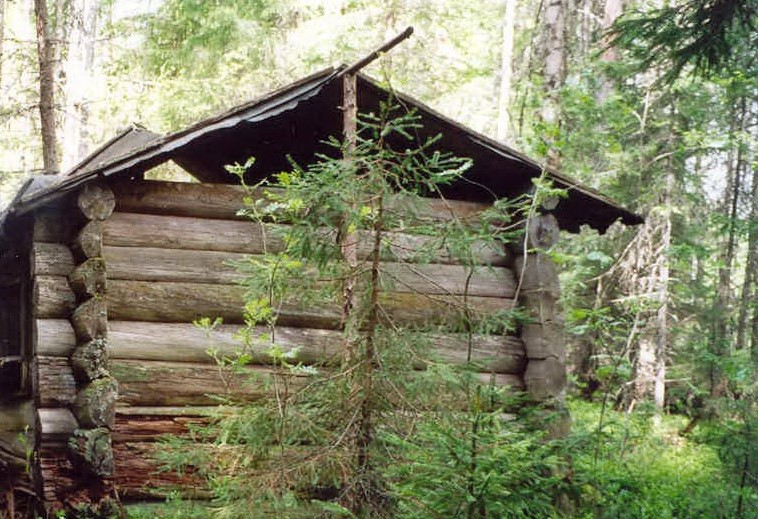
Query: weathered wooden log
[90, 360]
[88, 279]
[96, 201]
[56, 474]
[57, 385]
[158, 264]
[53, 298]
[88, 242]
[545, 379]
[143, 383]
[539, 274]
[187, 233]
[90, 319]
[95, 403]
[184, 302]
[56, 423]
[541, 305]
[142, 230]
[52, 259]
[182, 342]
[543, 231]
[543, 340]
[223, 201]
[150, 427]
[139, 474]
[91, 452]
[55, 337]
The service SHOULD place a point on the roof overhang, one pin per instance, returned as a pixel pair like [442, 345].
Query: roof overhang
[293, 123]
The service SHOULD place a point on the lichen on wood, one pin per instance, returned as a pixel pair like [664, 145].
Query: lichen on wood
[95, 404]
[90, 360]
[91, 451]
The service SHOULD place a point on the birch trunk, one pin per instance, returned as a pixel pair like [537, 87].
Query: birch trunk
[554, 35]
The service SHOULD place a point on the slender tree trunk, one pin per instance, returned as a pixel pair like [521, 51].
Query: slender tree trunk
[612, 10]
[554, 36]
[506, 72]
[751, 261]
[662, 336]
[723, 300]
[46, 87]
[78, 68]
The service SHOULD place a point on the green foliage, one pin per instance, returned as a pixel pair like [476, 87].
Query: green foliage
[642, 471]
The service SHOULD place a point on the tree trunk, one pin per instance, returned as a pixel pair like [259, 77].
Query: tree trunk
[78, 68]
[46, 87]
[506, 72]
[612, 10]
[554, 36]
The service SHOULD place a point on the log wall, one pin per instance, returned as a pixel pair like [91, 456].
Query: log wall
[115, 295]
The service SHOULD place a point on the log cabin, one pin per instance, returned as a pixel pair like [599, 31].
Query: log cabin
[102, 272]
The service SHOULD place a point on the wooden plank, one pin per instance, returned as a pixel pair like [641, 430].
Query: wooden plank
[52, 259]
[223, 201]
[183, 302]
[53, 298]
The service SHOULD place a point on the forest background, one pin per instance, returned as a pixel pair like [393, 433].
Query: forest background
[659, 113]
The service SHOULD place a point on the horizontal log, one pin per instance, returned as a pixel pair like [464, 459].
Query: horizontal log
[224, 201]
[183, 302]
[158, 264]
[181, 411]
[53, 298]
[187, 343]
[188, 233]
[179, 342]
[52, 259]
[153, 383]
[56, 384]
[139, 474]
[150, 427]
[142, 230]
[56, 423]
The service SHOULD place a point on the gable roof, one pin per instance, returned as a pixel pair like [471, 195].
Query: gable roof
[294, 122]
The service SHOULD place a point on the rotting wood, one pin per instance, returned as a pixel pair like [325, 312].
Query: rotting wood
[88, 278]
[150, 428]
[90, 319]
[539, 274]
[96, 201]
[544, 339]
[53, 298]
[89, 241]
[184, 302]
